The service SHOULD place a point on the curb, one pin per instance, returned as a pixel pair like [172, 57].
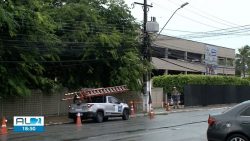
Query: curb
[57, 123]
[146, 114]
[188, 110]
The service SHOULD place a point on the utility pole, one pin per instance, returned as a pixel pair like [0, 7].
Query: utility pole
[146, 56]
[153, 27]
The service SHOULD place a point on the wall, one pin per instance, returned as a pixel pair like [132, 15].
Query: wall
[47, 105]
[35, 104]
[157, 97]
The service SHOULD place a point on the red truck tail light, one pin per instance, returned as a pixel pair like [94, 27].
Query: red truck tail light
[90, 105]
[211, 121]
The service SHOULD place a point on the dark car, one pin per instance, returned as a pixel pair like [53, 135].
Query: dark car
[231, 125]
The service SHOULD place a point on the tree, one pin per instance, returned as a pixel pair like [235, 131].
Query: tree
[104, 42]
[26, 41]
[243, 60]
[73, 43]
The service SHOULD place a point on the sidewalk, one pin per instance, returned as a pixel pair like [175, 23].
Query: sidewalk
[63, 119]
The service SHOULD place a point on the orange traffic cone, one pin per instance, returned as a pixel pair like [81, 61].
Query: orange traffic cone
[151, 113]
[132, 111]
[78, 120]
[4, 129]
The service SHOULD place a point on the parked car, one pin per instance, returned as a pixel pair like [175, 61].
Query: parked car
[99, 108]
[231, 125]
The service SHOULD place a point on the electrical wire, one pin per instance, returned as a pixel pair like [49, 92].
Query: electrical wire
[191, 19]
[204, 15]
[212, 16]
[182, 57]
[181, 65]
[61, 61]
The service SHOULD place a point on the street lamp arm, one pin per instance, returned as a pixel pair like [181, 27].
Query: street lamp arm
[171, 17]
[184, 4]
[168, 21]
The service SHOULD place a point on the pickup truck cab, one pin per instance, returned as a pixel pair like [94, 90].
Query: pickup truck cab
[99, 108]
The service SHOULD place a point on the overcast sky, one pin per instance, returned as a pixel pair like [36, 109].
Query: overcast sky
[227, 20]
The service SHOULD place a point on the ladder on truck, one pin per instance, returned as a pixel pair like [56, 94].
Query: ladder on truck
[87, 93]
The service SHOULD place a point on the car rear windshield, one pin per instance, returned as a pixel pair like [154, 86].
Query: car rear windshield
[100, 99]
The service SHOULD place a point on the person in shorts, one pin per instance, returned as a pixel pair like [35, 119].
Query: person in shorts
[175, 95]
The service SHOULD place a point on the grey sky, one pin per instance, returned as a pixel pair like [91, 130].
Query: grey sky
[228, 19]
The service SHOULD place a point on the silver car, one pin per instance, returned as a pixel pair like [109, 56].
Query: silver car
[99, 108]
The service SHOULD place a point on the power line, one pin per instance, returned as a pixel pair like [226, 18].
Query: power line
[178, 56]
[192, 20]
[212, 16]
[202, 14]
[61, 61]
[180, 65]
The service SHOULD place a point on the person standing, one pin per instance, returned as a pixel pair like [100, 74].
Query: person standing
[176, 97]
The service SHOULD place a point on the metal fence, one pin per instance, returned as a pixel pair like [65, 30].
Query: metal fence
[215, 94]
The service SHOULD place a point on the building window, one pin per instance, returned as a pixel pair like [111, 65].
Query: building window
[194, 57]
[221, 61]
[176, 54]
[158, 52]
[230, 62]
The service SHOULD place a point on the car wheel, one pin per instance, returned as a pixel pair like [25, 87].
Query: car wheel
[99, 117]
[105, 118]
[237, 137]
[125, 114]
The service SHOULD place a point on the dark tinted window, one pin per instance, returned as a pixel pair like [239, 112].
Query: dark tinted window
[246, 112]
[100, 99]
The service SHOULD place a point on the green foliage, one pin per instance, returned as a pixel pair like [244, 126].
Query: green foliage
[242, 59]
[78, 43]
[179, 81]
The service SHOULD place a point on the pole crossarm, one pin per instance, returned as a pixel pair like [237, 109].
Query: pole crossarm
[143, 4]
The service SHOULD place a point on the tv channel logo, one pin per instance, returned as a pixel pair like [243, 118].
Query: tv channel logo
[28, 124]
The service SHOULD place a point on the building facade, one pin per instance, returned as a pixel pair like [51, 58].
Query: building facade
[171, 55]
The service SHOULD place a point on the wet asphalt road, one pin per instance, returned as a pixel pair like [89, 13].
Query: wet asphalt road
[186, 126]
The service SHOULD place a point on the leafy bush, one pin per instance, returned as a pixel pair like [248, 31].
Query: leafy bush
[179, 81]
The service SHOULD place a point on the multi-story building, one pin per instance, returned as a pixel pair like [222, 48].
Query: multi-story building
[173, 55]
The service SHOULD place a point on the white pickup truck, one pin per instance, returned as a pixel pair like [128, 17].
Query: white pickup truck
[99, 108]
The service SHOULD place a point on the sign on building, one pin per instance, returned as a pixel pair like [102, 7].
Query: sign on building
[211, 59]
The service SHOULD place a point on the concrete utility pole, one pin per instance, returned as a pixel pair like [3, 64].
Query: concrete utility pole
[152, 28]
[147, 56]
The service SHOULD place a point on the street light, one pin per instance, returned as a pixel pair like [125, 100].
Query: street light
[148, 75]
[147, 53]
[183, 5]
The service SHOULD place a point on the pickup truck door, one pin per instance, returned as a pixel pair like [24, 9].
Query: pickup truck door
[109, 108]
[117, 107]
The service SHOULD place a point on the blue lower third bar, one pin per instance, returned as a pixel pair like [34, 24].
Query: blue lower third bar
[28, 128]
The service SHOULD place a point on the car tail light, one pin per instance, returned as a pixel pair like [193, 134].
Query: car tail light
[211, 121]
[90, 105]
